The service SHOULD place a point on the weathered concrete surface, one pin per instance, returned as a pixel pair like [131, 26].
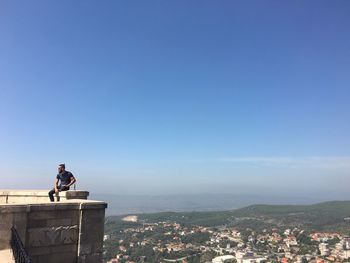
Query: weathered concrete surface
[69, 231]
[38, 196]
[6, 256]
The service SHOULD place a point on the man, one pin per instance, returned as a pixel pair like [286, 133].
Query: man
[64, 180]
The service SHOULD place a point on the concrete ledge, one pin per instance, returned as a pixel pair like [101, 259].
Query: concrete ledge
[52, 206]
[38, 196]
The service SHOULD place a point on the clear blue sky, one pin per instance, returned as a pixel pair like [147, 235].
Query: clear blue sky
[176, 96]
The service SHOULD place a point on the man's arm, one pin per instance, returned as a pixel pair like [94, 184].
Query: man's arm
[56, 185]
[72, 181]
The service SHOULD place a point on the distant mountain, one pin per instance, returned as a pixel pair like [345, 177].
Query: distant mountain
[326, 216]
[340, 208]
[128, 204]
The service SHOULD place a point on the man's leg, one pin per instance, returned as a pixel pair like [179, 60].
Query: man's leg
[64, 188]
[51, 195]
[58, 193]
[61, 189]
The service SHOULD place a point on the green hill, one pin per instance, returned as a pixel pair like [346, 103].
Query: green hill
[327, 216]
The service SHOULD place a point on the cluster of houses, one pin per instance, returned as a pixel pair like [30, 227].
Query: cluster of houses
[229, 245]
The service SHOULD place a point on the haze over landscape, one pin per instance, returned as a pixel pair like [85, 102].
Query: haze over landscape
[179, 98]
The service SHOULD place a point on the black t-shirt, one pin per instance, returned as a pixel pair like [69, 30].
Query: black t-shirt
[64, 177]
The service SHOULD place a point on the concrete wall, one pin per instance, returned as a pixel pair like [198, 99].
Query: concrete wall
[69, 231]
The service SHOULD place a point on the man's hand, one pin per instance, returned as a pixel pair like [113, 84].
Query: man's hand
[56, 190]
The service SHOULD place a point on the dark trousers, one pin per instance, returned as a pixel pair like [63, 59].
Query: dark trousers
[60, 189]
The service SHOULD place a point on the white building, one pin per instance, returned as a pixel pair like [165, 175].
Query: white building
[223, 259]
[253, 259]
[323, 249]
[346, 254]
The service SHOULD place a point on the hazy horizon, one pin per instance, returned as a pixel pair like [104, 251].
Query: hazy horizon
[184, 97]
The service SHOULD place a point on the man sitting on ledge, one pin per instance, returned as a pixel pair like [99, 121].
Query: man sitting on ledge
[65, 178]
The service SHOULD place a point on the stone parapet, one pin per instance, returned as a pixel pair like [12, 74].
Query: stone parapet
[69, 231]
[38, 196]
